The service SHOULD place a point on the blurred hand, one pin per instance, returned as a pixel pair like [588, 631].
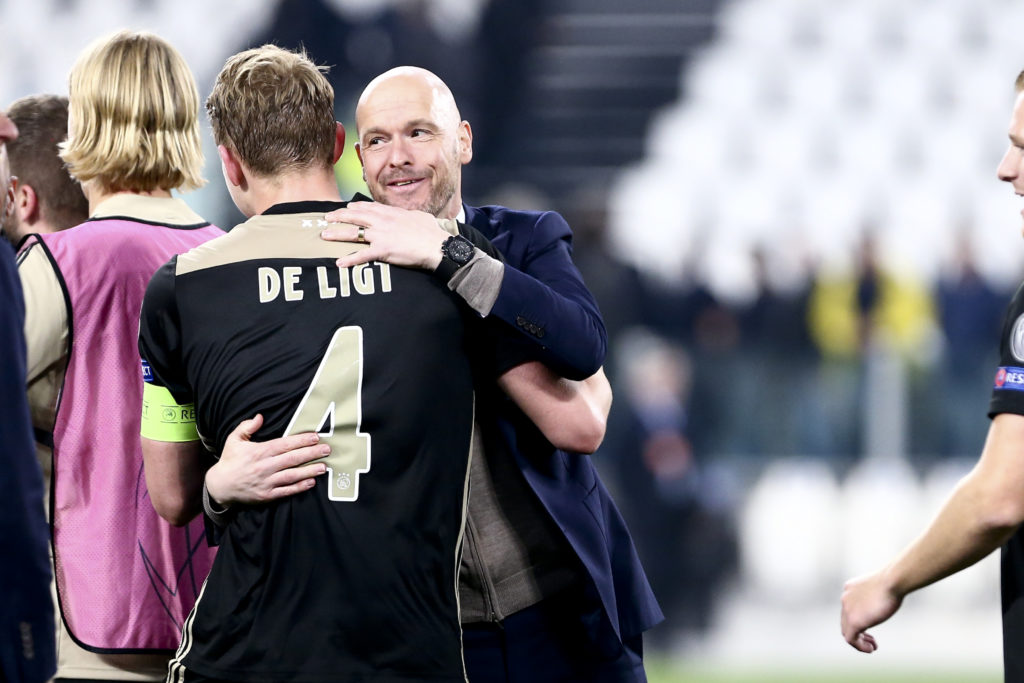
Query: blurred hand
[396, 236]
[257, 472]
[867, 601]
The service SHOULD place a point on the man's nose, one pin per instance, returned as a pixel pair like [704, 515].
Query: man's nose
[399, 153]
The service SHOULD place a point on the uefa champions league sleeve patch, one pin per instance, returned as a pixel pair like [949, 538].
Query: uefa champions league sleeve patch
[1017, 338]
[1009, 378]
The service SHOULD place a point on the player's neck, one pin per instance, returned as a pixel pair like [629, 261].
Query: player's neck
[96, 195]
[302, 186]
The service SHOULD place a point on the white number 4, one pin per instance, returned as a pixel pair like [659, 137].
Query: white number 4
[333, 407]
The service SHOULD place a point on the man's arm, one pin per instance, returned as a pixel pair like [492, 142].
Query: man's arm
[548, 290]
[571, 414]
[46, 314]
[174, 458]
[546, 299]
[984, 510]
[174, 477]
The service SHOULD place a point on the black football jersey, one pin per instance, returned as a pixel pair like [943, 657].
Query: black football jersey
[1008, 397]
[355, 579]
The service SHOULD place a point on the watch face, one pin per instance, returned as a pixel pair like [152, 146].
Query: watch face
[459, 249]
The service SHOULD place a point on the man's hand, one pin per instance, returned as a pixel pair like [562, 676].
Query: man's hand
[867, 601]
[257, 472]
[396, 236]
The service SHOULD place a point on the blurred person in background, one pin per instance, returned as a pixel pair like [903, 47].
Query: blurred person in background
[125, 578]
[44, 196]
[679, 512]
[867, 322]
[27, 649]
[986, 508]
[970, 312]
[551, 588]
[780, 362]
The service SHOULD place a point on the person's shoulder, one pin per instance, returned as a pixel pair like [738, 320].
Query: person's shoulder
[93, 237]
[496, 212]
[8, 263]
[33, 256]
[494, 219]
[213, 251]
[1016, 305]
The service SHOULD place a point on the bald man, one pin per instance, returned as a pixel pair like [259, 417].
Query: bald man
[551, 587]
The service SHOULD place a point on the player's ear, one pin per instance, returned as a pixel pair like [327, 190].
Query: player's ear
[26, 202]
[231, 164]
[339, 141]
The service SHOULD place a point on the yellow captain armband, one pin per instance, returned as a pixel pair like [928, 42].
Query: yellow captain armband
[163, 419]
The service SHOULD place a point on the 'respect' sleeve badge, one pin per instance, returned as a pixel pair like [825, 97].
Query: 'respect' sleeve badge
[1009, 378]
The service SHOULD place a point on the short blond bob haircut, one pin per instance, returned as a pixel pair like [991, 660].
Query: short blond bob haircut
[275, 109]
[134, 116]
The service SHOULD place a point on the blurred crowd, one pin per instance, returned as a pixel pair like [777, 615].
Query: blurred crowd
[708, 391]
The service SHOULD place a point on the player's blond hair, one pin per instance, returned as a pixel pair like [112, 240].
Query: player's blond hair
[275, 109]
[134, 116]
[1020, 82]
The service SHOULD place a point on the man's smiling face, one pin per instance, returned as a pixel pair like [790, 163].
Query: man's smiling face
[412, 145]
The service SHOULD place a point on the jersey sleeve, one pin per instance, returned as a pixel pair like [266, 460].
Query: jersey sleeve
[1008, 384]
[168, 410]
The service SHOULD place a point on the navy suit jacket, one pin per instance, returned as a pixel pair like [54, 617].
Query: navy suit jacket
[27, 635]
[543, 296]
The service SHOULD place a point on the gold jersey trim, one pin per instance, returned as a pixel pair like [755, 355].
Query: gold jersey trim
[275, 236]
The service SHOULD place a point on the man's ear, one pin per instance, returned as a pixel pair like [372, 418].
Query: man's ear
[26, 203]
[465, 142]
[339, 141]
[232, 165]
[7, 203]
[359, 154]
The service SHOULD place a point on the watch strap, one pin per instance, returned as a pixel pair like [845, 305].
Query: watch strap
[446, 268]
